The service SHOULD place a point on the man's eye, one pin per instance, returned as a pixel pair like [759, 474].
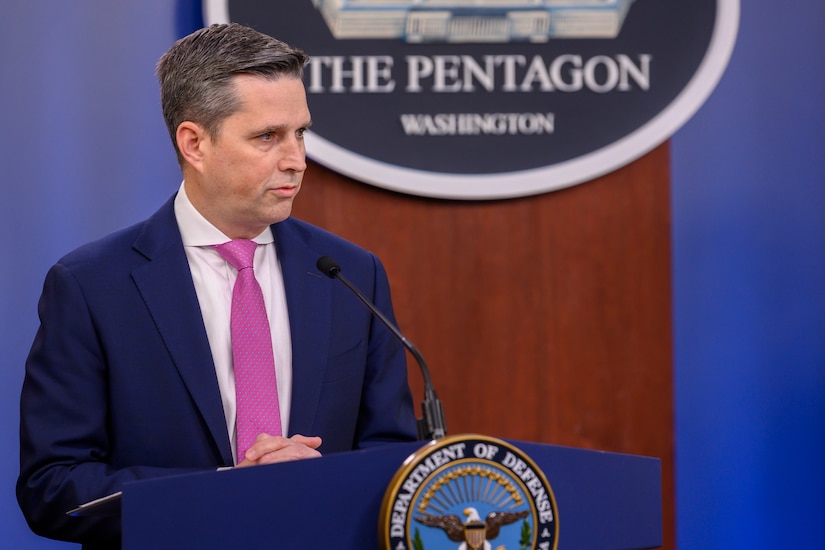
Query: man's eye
[300, 133]
[269, 136]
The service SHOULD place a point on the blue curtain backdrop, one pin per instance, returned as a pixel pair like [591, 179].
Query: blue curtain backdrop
[748, 200]
[83, 151]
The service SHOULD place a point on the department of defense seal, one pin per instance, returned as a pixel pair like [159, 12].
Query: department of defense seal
[469, 492]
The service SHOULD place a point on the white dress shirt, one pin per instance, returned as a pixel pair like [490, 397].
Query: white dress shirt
[214, 279]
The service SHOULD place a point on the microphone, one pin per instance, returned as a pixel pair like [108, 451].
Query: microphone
[431, 425]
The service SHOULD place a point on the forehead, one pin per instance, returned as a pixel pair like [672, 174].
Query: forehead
[259, 96]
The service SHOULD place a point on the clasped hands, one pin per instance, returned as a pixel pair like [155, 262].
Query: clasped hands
[269, 449]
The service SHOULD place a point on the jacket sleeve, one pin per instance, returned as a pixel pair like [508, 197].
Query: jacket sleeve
[386, 413]
[65, 442]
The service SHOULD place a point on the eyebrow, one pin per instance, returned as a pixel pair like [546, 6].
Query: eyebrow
[278, 128]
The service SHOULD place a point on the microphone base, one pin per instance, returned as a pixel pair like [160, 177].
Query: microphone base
[432, 425]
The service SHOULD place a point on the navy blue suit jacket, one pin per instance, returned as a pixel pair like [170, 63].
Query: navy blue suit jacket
[120, 383]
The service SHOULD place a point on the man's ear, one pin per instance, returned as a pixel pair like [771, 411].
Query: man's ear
[191, 138]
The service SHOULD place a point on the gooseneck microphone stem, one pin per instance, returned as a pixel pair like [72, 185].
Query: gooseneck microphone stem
[432, 424]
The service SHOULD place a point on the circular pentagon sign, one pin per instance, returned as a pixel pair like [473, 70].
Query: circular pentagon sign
[489, 99]
[468, 492]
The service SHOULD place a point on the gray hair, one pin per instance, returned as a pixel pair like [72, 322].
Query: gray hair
[196, 73]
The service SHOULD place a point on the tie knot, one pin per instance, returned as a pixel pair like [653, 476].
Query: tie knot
[239, 253]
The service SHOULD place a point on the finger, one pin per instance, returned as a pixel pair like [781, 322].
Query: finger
[264, 444]
[313, 442]
[291, 452]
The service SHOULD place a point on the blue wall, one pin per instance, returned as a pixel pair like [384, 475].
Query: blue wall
[748, 196]
[83, 151]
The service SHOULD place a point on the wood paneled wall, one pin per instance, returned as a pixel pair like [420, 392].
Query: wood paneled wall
[545, 318]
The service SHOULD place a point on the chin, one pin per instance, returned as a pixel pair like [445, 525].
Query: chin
[280, 215]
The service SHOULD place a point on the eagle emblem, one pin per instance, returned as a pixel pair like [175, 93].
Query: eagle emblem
[472, 533]
[465, 492]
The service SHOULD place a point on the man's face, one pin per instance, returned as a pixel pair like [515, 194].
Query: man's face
[250, 172]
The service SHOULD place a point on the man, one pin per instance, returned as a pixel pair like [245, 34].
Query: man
[133, 371]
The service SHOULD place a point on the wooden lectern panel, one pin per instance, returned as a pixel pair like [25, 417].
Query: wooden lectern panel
[544, 318]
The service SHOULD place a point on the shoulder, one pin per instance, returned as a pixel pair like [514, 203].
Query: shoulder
[106, 251]
[293, 231]
[128, 247]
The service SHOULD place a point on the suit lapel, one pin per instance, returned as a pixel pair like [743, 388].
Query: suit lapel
[308, 296]
[165, 283]
[166, 286]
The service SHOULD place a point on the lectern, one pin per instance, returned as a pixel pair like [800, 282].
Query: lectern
[604, 501]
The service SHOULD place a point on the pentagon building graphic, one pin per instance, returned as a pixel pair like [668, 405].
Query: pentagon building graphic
[473, 20]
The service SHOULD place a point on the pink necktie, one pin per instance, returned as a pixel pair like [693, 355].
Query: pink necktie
[256, 390]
